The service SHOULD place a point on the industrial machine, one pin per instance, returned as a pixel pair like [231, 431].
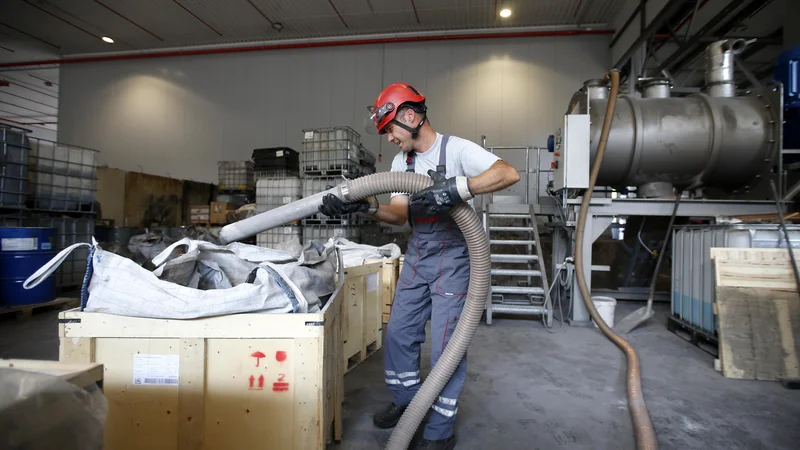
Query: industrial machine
[718, 149]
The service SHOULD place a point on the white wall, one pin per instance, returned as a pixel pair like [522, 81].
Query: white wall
[179, 116]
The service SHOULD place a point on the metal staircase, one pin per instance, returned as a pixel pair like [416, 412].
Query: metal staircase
[519, 279]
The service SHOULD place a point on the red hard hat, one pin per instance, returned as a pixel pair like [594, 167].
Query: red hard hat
[390, 100]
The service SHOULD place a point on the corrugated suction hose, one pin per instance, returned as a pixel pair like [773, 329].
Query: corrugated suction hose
[479, 274]
[643, 428]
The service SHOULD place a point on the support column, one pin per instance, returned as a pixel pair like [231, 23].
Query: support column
[595, 226]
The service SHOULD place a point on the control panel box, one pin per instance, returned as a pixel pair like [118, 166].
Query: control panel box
[572, 161]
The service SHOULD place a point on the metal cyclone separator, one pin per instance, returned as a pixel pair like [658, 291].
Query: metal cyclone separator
[480, 266]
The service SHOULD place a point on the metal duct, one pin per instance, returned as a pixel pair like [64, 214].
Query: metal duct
[719, 67]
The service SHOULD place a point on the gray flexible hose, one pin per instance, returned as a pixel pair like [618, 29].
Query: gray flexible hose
[479, 273]
[480, 269]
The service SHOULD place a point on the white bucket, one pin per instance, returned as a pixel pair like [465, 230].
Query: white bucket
[605, 307]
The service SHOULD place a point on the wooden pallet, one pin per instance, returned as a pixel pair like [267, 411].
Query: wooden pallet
[27, 310]
[361, 356]
[696, 337]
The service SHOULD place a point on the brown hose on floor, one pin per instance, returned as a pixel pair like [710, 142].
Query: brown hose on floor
[645, 436]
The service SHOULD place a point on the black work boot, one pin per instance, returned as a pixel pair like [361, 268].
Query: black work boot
[441, 444]
[388, 417]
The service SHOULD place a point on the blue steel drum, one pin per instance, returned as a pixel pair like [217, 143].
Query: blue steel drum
[22, 252]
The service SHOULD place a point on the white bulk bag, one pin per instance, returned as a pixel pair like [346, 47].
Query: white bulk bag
[208, 280]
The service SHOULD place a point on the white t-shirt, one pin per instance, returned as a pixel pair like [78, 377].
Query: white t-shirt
[463, 158]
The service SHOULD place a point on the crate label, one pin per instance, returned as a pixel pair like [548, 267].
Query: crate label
[280, 152]
[287, 200]
[287, 230]
[19, 244]
[309, 135]
[46, 246]
[372, 282]
[155, 370]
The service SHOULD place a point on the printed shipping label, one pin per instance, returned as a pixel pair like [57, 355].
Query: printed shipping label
[19, 244]
[155, 370]
[287, 200]
[309, 135]
[287, 230]
[279, 153]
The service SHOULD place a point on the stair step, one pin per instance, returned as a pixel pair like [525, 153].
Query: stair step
[518, 309]
[517, 290]
[515, 272]
[511, 242]
[513, 258]
[519, 229]
[509, 216]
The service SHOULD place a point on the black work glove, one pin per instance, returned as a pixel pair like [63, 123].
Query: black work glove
[444, 194]
[334, 206]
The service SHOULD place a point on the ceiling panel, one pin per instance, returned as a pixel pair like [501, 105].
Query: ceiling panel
[151, 24]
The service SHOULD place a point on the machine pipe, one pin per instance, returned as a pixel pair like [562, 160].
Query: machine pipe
[655, 87]
[720, 65]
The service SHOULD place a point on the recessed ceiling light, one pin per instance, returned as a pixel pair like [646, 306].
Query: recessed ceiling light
[505, 12]
[107, 39]
[278, 26]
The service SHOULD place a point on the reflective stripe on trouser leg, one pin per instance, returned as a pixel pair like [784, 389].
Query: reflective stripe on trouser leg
[448, 295]
[405, 331]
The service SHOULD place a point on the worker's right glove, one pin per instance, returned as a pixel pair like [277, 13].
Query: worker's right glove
[334, 206]
[443, 194]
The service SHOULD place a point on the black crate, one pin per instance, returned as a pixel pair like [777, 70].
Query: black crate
[267, 159]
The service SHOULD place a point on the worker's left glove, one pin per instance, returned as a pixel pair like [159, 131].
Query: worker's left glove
[334, 206]
[444, 194]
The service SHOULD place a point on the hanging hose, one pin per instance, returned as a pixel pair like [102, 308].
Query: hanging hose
[479, 274]
[643, 428]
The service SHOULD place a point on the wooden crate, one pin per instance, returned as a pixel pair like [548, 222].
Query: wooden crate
[362, 328]
[758, 308]
[255, 381]
[390, 270]
[79, 374]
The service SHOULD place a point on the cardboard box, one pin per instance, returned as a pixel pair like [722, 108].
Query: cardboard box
[199, 213]
[219, 212]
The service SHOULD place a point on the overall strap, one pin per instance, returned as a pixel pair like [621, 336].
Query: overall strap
[442, 167]
[411, 161]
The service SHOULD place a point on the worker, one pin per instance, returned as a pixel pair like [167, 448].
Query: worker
[435, 277]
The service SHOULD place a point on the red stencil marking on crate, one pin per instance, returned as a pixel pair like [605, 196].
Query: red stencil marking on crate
[258, 356]
[252, 380]
[280, 356]
[280, 385]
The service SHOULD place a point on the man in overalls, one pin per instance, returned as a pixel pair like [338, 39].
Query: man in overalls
[435, 276]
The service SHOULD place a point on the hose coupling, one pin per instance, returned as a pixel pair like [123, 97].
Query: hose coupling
[345, 192]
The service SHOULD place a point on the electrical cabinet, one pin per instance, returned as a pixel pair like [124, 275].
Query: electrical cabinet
[572, 160]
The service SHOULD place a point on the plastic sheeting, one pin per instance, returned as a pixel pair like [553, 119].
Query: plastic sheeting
[44, 412]
[355, 254]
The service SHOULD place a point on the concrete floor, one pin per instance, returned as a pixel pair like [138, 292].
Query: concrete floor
[529, 389]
